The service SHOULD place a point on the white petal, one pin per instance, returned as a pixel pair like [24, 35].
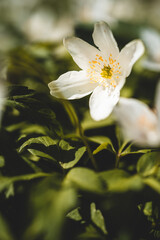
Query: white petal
[138, 122]
[151, 39]
[71, 85]
[151, 65]
[81, 51]
[130, 54]
[104, 39]
[121, 83]
[102, 102]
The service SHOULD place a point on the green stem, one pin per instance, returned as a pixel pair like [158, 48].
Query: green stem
[79, 130]
[117, 160]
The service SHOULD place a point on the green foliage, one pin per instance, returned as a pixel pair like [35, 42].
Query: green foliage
[63, 175]
[5, 232]
[97, 218]
[78, 155]
[86, 180]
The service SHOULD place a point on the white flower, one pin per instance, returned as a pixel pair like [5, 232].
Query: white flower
[103, 70]
[151, 39]
[139, 123]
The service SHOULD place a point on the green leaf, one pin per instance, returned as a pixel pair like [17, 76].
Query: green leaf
[105, 146]
[19, 106]
[5, 182]
[148, 208]
[26, 128]
[45, 140]
[19, 91]
[141, 151]
[10, 191]
[64, 145]
[41, 154]
[5, 233]
[118, 180]
[97, 218]
[51, 202]
[78, 154]
[2, 161]
[105, 143]
[75, 215]
[91, 233]
[148, 164]
[152, 183]
[99, 139]
[86, 179]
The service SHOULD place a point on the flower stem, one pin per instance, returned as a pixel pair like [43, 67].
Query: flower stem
[117, 160]
[79, 130]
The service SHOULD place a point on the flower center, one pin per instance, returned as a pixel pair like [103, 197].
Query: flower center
[105, 72]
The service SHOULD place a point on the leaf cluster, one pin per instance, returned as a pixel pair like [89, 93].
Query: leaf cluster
[64, 176]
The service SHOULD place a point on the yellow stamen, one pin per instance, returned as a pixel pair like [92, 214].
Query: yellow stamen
[104, 71]
[107, 72]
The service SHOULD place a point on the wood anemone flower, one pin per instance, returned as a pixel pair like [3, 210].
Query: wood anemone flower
[139, 123]
[104, 70]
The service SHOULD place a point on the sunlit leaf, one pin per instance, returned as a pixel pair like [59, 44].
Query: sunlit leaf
[86, 179]
[75, 215]
[107, 145]
[41, 154]
[152, 183]
[97, 218]
[45, 140]
[50, 204]
[141, 151]
[78, 154]
[64, 145]
[148, 164]
[119, 180]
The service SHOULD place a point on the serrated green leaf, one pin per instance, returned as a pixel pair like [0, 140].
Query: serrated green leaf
[148, 164]
[78, 154]
[75, 215]
[45, 140]
[141, 151]
[107, 145]
[86, 179]
[41, 154]
[64, 145]
[97, 218]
